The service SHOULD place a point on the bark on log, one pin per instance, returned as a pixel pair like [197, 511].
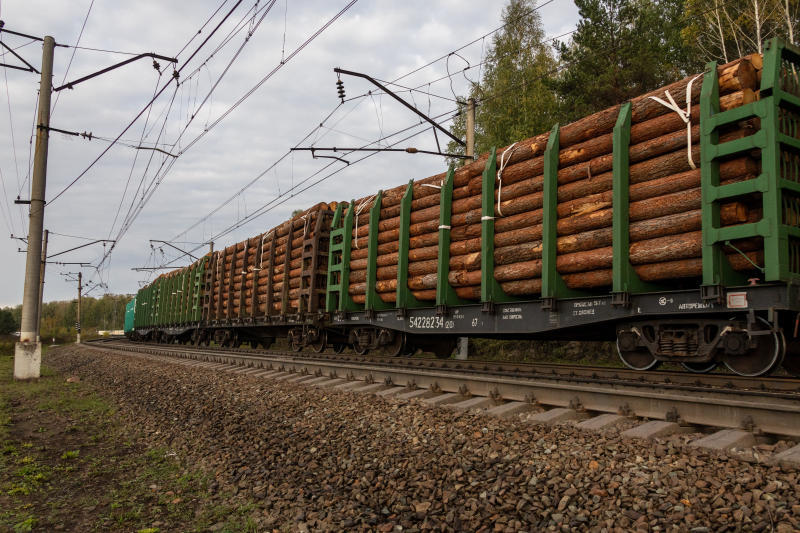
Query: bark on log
[601, 162]
[733, 77]
[672, 247]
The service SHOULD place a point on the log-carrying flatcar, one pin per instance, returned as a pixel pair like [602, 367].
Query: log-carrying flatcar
[670, 224]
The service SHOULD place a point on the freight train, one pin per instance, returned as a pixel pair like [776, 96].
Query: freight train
[669, 224]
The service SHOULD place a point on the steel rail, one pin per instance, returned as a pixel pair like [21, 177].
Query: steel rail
[536, 369]
[758, 411]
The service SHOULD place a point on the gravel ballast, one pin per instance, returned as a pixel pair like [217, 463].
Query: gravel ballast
[319, 459]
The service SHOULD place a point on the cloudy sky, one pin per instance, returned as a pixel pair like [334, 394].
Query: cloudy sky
[141, 194]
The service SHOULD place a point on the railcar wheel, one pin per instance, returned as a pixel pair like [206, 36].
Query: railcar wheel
[700, 368]
[761, 360]
[359, 349]
[339, 347]
[638, 359]
[321, 343]
[397, 347]
[295, 341]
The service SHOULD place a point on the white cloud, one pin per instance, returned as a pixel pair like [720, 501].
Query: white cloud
[383, 38]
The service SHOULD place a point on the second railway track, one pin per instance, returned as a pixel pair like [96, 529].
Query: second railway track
[769, 406]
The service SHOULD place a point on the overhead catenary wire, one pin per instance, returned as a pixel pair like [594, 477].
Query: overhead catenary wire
[219, 119]
[106, 255]
[250, 183]
[272, 72]
[70, 236]
[244, 22]
[150, 189]
[299, 187]
[258, 84]
[133, 210]
[271, 167]
[449, 76]
[360, 97]
[445, 56]
[200, 31]
[72, 57]
[103, 50]
[140, 113]
[133, 165]
[13, 146]
[6, 207]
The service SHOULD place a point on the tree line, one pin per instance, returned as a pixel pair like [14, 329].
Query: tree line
[58, 318]
[620, 49]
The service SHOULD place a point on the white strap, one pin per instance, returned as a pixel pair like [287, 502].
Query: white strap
[444, 227]
[486, 218]
[432, 185]
[686, 116]
[360, 208]
[261, 262]
[503, 162]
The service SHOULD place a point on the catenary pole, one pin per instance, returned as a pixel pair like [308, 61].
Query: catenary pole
[28, 351]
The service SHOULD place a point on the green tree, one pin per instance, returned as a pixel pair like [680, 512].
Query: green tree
[58, 318]
[8, 323]
[515, 97]
[621, 49]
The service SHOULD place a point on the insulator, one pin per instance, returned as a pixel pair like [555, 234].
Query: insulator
[340, 88]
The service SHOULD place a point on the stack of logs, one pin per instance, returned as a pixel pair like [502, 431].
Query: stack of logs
[303, 227]
[172, 296]
[665, 203]
[256, 266]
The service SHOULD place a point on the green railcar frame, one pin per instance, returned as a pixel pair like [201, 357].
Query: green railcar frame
[778, 140]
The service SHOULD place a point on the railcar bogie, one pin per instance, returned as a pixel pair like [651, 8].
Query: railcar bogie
[748, 345]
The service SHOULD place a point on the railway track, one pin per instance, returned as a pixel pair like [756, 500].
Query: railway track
[766, 406]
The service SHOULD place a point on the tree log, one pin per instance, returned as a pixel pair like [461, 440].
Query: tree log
[661, 249]
[672, 141]
[734, 76]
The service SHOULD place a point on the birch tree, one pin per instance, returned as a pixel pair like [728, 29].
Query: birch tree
[722, 30]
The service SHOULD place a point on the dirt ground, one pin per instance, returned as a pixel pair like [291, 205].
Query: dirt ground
[68, 463]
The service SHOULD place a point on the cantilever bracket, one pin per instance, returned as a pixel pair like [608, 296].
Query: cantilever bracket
[409, 106]
[71, 84]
